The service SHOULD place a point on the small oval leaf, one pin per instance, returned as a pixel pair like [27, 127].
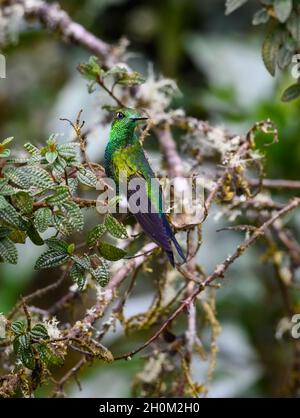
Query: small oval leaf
[283, 9]
[110, 252]
[291, 93]
[114, 227]
[42, 219]
[270, 49]
[39, 332]
[50, 258]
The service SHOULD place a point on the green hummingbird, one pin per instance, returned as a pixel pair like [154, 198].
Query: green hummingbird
[124, 156]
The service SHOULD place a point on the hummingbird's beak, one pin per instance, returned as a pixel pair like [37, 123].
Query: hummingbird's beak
[141, 118]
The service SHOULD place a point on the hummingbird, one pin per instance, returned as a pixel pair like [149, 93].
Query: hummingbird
[124, 154]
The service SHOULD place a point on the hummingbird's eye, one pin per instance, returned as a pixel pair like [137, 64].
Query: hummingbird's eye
[120, 115]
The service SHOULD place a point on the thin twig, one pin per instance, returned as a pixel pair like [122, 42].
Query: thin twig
[277, 184]
[109, 92]
[218, 272]
[53, 18]
[39, 293]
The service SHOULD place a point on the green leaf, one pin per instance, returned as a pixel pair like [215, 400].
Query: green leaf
[26, 355]
[61, 224]
[69, 218]
[83, 262]
[8, 251]
[58, 167]
[24, 341]
[32, 149]
[101, 272]
[122, 75]
[61, 195]
[9, 214]
[38, 177]
[91, 86]
[260, 17]
[270, 51]
[95, 234]
[7, 141]
[39, 332]
[90, 70]
[114, 227]
[125, 77]
[68, 150]
[16, 345]
[77, 274]
[48, 356]
[42, 219]
[87, 177]
[131, 79]
[18, 327]
[232, 5]
[57, 245]
[23, 201]
[5, 153]
[16, 176]
[283, 9]
[51, 156]
[71, 248]
[17, 236]
[284, 57]
[29, 176]
[52, 141]
[110, 252]
[50, 258]
[291, 93]
[96, 266]
[73, 184]
[5, 188]
[293, 25]
[34, 235]
[74, 215]
[4, 232]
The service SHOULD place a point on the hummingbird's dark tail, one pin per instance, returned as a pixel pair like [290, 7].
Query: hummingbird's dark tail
[157, 227]
[173, 238]
[170, 256]
[152, 224]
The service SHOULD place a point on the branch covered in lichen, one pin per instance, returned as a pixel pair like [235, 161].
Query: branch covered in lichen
[48, 190]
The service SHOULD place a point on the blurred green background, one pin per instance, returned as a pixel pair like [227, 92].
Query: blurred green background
[217, 64]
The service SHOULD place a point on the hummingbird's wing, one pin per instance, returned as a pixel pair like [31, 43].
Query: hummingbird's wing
[150, 216]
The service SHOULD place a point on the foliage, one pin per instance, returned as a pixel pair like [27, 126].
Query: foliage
[36, 197]
[120, 74]
[45, 196]
[282, 38]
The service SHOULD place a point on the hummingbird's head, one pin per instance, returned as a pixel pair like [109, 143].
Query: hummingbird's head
[127, 119]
